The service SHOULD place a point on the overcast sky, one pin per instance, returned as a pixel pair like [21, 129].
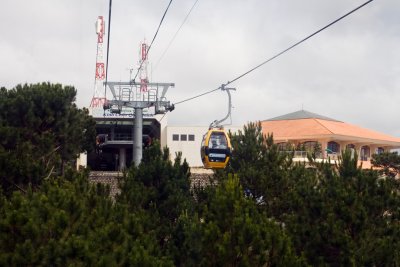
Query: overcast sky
[350, 72]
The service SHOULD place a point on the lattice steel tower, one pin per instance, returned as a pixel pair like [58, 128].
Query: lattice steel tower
[99, 99]
[143, 63]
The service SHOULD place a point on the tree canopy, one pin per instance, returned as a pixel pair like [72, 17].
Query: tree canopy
[387, 162]
[41, 130]
[335, 215]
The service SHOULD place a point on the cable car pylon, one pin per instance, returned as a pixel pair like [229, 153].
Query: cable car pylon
[216, 146]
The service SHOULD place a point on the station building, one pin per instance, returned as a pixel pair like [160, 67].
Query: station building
[114, 142]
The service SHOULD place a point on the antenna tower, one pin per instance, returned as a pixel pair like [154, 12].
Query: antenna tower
[143, 62]
[99, 99]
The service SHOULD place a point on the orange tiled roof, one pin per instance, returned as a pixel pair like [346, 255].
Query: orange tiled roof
[307, 125]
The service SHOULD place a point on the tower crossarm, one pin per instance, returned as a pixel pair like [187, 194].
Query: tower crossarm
[114, 86]
[152, 98]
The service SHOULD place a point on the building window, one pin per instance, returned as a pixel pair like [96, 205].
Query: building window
[380, 150]
[365, 153]
[352, 149]
[333, 147]
[183, 137]
[350, 146]
[283, 146]
[310, 146]
[191, 137]
[175, 137]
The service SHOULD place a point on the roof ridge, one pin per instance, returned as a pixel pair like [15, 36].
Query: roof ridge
[301, 114]
[318, 121]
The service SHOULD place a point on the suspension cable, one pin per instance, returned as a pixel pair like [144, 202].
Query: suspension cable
[198, 96]
[176, 33]
[280, 53]
[152, 41]
[108, 46]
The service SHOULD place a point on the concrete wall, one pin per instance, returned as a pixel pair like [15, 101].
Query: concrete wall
[81, 161]
[163, 120]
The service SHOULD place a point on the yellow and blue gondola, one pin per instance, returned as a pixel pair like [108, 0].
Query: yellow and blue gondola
[215, 149]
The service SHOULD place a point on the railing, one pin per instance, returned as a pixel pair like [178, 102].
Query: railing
[333, 156]
[122, 136]
[134, 93]
[304, 154]
[301, 154]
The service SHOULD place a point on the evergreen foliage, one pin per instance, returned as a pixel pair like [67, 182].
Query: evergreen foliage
[235, 233]
[264, 172]
[335, 216]
[387, 162]
[69, 222]
[159, 190]
[41, 130]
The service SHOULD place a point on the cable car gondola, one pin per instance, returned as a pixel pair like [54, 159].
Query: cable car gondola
[216, 146]
[215, 149]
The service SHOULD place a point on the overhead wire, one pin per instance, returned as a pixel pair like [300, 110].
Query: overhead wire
[278, 54]
[176, 33]
[108, 46]
[191, 98]
[154, 37]
[163, 117]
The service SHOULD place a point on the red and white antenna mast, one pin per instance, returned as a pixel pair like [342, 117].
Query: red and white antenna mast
[99, 99]
[143, 62]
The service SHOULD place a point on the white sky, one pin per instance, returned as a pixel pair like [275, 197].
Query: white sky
[350, 72]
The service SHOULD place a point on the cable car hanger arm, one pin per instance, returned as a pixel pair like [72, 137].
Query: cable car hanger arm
[217, 123]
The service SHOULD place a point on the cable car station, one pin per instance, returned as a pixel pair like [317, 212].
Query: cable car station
[127, 123]
[114, 142]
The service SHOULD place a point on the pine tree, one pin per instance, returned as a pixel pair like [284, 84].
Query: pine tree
[262, 169]
[335, 215]
[344, 215]
[387, 162]
[236, 233]
[41, 130]
[70, 222]
[159, 190]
